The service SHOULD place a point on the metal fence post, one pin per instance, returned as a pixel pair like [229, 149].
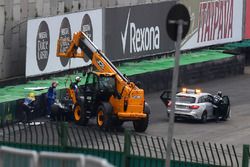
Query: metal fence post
[245, 158]
[64, 134]
[127, 145]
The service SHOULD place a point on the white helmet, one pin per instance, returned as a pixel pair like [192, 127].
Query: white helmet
[78, 79]
[219, 93]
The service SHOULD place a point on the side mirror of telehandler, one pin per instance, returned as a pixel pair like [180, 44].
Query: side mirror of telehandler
[138, 84]
[117, 94]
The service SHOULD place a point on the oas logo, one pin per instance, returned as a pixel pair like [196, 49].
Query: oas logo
[42, 45]
[88, 29]
[65, 34]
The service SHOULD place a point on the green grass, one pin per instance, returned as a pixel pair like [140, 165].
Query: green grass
[166, 63]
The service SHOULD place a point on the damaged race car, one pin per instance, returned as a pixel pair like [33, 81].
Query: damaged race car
[62, 109]
[197, 105]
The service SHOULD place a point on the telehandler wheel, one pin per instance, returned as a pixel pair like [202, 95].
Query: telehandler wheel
[103, 119]
[117, 123]
[80, 115]
[142, 124]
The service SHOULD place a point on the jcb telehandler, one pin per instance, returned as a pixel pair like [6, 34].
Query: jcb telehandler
[107, 94]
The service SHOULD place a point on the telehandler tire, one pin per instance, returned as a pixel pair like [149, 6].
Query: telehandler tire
[103, 118]
[142, 124]
[117, 123]
[80, 115]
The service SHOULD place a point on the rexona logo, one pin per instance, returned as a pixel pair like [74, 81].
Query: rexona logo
[65, 34]
[42, 45]
[88, 29]
[140, 38]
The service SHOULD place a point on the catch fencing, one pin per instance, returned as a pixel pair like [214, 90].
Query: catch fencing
[118, 147]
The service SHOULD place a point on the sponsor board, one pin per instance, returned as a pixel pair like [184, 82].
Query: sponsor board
[213, 22]
[247, 20]
[137, 31]
[42, 36]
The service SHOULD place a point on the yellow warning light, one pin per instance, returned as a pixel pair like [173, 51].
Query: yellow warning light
[184, 90]
[197, 91]
[191, 91]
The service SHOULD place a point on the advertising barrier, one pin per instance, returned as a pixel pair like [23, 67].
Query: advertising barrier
[137, 31]
[42, 36]
[247, 20]
[213, 22]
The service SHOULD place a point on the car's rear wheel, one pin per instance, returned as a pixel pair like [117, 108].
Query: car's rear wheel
[204, 117]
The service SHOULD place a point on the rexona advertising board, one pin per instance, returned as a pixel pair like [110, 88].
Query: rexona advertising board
[213, 22]
[247, 26]
[42, 36]
[137, 31]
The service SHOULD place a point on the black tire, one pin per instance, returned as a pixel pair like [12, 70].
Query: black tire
[228, 115]
[103, 119]
[204, 117]
[80, 116]
[55, 112]
[142, 124]
[117, 123]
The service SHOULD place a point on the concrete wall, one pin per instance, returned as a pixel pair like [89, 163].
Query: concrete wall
[13, 25]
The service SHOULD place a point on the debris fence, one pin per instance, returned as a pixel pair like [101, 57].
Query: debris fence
[119, 148]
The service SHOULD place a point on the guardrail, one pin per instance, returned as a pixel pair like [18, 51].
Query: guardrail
[120, 149]
[12, 157]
